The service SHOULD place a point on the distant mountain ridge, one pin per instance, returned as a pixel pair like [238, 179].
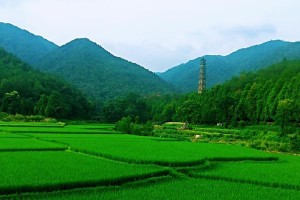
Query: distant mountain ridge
[85, 64]
[23, 44]
[100, 74]
[221, 68]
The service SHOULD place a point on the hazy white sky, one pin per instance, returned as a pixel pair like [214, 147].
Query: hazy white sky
[158, 34]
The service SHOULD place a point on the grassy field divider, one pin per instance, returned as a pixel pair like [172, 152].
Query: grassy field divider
[235, 159]
[205, 166]
[43, 139]
[35, 149]
[176, 163]
[64, 131]
[142, 162]
[84, 184]
[244, 181]
[130, 185]
[33, 125]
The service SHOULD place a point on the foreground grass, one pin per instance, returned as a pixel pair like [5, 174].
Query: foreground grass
[39, 171]
[283, 173]
[100, 170]
[176, 189]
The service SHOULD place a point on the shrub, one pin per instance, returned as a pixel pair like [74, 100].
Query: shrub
[148, 128]
[284, 147]
[241, 124]
[52, 120]
[124, 125]
[3, 115]
[36, 118]
[136, 129]
[295, 142]
[248, 134]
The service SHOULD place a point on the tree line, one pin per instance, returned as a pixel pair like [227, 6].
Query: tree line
[266, 96]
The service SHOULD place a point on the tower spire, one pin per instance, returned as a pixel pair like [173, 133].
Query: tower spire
[202, 78]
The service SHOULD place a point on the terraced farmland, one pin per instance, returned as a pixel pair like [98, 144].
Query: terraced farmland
[192, 189]
[139, 149]
[38, 171]
[284, 173]
[16, 142]
[79, 129]
[92, 161]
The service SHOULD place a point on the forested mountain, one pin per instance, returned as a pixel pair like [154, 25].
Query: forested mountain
[221, 68]
[24, 44]
[26, 91]
[100, 74]
[267, 95]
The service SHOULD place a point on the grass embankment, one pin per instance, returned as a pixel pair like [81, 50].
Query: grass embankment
[264, 137]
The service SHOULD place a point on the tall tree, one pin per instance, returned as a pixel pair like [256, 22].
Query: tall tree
[11, 103]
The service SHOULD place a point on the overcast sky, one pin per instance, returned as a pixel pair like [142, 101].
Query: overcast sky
[158, 34]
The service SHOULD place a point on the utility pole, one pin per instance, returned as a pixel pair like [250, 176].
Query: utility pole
[202, 78]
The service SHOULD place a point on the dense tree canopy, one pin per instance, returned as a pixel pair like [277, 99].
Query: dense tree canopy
[269, 95]
[26, 91]
[252, 97]
[132, 105]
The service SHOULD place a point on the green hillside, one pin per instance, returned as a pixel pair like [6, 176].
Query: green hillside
[270, 94]
[24, 44]
[98, 73]
[221, 68]
[26, 91]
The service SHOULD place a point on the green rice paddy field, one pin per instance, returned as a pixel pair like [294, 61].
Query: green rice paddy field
[92, 161]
